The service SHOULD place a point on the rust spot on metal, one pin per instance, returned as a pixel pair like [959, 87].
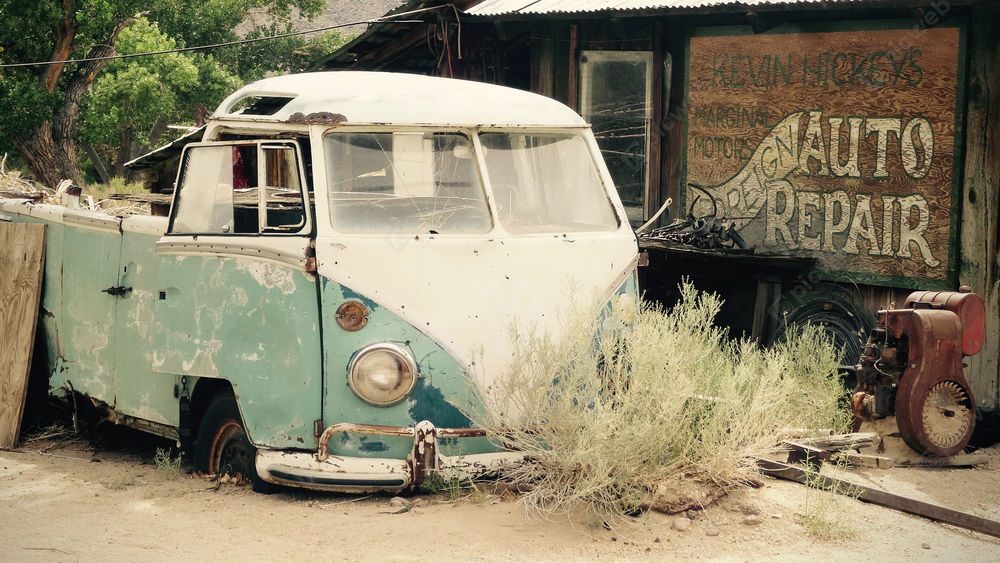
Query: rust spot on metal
[352, 316]
[320, 117]
[348, 427]
[424, 451]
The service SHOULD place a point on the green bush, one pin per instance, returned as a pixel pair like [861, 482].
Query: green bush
[628, 398]
[117, 185]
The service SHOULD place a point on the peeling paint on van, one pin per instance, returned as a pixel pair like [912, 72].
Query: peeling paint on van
[269, 275]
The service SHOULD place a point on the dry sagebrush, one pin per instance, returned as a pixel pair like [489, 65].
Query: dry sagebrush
[620, 406]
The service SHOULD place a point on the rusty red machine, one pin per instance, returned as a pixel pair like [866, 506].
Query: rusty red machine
[912, 368]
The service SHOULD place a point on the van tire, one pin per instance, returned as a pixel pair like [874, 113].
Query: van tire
[223, 446]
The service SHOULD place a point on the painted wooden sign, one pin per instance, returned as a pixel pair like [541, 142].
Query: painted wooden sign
[838, 142]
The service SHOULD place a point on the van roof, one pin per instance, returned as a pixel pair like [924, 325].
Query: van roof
[382, 97]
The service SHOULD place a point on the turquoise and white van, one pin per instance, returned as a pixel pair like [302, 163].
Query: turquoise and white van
[344, 256]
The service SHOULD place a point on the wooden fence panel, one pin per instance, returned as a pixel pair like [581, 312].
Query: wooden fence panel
[980, 240]
[22, 256]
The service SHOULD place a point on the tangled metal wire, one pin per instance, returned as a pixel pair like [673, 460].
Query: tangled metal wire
[706, 232]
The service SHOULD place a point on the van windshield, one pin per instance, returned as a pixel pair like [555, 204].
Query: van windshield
[546, 182]
[429, 182]
[405, 182]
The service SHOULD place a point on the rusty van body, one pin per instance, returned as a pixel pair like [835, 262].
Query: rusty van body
[344, 255]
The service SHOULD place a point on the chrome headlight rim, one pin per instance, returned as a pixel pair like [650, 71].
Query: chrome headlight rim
[408, 368]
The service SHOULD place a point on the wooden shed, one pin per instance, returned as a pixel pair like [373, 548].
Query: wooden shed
[853, 145]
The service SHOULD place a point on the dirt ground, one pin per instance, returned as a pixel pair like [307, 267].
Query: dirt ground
[62, 500]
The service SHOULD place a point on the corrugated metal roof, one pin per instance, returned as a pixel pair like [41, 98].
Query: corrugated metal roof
[504, 7]
[166, 152]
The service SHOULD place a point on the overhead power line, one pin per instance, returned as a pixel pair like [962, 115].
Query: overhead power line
[231, 43]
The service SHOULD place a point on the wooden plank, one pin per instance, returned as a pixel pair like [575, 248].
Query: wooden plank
[542, 60]
[573, 90]
[960, 460]
[768, 292]
[865, 460]
[801, 453]
[979, 242]
[391, 50]
[22, 256]
[653, 196]
[875, 496]
[841, 441]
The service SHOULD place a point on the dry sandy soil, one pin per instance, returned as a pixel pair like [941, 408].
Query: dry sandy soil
[66, 501]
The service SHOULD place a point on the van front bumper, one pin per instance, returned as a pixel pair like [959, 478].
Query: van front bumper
[358, 474]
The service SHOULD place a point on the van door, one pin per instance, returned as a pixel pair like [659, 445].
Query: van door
[139, 391]
[238, 299]
[91, 249]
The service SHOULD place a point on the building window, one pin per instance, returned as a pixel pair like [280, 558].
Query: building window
[616, 99]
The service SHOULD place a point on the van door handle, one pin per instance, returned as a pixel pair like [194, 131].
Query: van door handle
[117, 291]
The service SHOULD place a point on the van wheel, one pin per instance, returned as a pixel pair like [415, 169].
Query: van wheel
[223, 446]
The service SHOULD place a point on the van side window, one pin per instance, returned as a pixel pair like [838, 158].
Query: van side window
[283, 203]
[239, 188]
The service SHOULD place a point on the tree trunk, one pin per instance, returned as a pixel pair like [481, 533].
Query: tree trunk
[159, 126]
[50, 150]
[47, 159]
[123, 152]
[98, 163]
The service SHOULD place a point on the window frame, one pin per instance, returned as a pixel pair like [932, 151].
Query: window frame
[587, 58]
[261, 145]
[471, 134]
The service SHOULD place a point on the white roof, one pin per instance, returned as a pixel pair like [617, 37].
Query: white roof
[383, 97]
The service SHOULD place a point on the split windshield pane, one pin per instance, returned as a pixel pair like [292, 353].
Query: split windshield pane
[404, 183]
[546, 183]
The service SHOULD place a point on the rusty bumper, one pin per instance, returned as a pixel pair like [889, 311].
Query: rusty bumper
[356, 474]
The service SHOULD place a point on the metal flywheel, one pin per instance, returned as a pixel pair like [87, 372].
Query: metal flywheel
[946, 416]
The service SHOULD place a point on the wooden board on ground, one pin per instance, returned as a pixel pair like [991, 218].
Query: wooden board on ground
[22, 256]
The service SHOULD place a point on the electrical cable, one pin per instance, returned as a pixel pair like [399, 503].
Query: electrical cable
[386, 19]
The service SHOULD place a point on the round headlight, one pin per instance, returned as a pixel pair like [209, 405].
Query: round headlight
[382, 374]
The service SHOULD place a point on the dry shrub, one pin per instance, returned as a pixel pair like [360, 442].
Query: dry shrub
[622, 405]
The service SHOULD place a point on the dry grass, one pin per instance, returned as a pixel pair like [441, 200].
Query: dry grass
[13, 185]
[827, 512]
[623, 405]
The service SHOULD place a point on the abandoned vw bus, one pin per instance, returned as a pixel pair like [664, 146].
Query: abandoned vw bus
[344, 256]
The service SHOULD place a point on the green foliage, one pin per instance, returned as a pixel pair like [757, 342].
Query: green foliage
[454, 487]
[131, 94]
[167, 465]
[127, 96]
[662, 394]
[117, 185]
[217, 21]
[30, 33]
[24, 105]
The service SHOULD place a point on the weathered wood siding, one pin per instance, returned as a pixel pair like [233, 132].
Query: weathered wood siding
[979, 245]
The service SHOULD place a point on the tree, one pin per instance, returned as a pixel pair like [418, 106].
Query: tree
[133, 100]
[41, 105]
[219, 21]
